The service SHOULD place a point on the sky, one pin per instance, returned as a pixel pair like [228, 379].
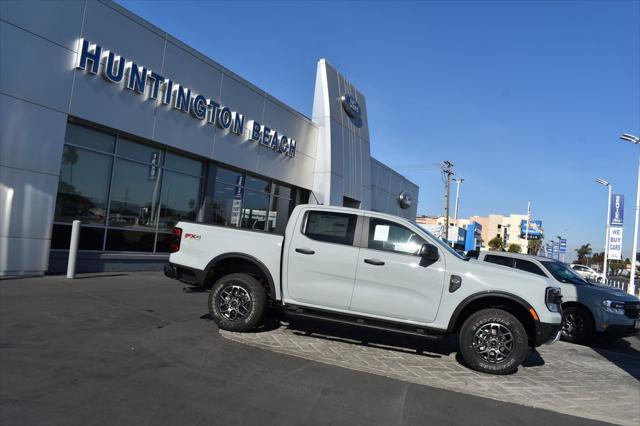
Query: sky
[526, 99]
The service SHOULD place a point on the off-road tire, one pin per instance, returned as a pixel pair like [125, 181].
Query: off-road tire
[509, 326]
[229, 294]
[577, 325]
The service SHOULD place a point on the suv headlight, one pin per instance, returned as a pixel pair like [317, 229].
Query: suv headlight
[613, 307]
[553, 299]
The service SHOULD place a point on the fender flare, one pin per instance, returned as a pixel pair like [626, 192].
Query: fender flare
[213, 262]
[477, 296]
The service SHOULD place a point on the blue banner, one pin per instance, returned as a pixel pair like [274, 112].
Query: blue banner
[617, 209]
[563, 246]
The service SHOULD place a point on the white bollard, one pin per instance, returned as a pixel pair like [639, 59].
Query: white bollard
[73, 249]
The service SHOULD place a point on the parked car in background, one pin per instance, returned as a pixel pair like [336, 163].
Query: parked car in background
[587, 273]
[371, 270]
[588, 308]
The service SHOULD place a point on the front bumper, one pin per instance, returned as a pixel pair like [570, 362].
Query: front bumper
[547, 333]
[619, 330]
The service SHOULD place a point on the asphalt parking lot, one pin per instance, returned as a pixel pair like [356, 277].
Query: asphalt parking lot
[134, 349]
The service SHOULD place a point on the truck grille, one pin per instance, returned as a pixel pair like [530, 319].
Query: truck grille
[632, 310]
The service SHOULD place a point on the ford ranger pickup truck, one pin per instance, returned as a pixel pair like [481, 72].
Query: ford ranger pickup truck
[368, 269]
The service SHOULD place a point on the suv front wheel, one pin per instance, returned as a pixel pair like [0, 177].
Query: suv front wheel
[493, 341]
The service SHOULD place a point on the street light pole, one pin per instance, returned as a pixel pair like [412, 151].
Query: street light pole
[631, 289]
[455, 212]
[560, 247]
[606, 239]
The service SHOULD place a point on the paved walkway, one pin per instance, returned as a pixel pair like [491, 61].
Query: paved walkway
[571, 379]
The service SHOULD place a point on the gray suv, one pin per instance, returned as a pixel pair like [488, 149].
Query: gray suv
[588, 308]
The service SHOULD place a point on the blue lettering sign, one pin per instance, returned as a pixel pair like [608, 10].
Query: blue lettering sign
[89, 53]
[119, 62]
[617, 209]
[116, 69]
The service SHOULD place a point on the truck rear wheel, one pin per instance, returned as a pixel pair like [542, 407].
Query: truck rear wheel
[493, 341]
[237, 302]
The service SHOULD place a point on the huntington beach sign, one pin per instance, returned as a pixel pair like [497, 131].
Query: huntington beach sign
[143, 81]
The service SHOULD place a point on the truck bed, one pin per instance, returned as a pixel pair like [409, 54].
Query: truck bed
[201, 241]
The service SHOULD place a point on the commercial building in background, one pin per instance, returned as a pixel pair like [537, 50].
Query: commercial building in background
[479, 230]
[464, 234]
[110, 120]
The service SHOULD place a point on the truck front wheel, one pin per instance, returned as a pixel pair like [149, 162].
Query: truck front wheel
[237, 302]
[493, 341]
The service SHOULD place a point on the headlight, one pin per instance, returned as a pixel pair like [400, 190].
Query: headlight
[613, 307]
[553, 299]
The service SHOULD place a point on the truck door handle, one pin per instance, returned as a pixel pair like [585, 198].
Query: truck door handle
[374, 262]
[305, 251]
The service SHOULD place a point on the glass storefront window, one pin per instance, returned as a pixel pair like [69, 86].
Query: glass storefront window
[278, 215]
[91, 238]
[183, 164]
[84, 136]
[163, 241]
[134, 194]
[229, 176]
[179, 199]
[282, 191]
[227, 200]
[256, 184]
[125, 240]
[140, 152]
[254, 210]
[128, 195]
[83, 186]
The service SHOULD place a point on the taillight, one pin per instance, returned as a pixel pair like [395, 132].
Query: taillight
[176, 236]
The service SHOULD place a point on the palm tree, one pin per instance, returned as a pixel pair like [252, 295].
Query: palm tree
[583, 252]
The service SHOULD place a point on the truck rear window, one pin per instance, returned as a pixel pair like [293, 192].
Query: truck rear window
[331, 227]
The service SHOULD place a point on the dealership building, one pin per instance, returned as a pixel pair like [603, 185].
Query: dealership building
[109, 120]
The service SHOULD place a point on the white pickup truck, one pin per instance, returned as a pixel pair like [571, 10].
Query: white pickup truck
[368, 269]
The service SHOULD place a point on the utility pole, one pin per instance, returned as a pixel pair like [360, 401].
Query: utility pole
[447, 167]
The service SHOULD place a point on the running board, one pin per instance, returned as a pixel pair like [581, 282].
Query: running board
[296, 311]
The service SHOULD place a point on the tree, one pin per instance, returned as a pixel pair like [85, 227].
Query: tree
[496, 243]
[535, 246]
[583, 252]
[70, 157]
[514, 248]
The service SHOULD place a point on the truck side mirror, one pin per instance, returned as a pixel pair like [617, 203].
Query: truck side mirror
[429, 252]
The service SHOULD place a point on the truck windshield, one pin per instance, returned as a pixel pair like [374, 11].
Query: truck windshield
[563, 273]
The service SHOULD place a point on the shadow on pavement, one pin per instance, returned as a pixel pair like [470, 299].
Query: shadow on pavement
[374, 338]
[619, 352]
[100, 276]
[269, 324]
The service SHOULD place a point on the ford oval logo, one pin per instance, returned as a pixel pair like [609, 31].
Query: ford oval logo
[351, 106]
[404, 200]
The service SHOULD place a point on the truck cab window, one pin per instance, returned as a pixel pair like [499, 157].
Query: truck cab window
[331, 227]
[525, 265]
[389, 236]
[499, 260]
